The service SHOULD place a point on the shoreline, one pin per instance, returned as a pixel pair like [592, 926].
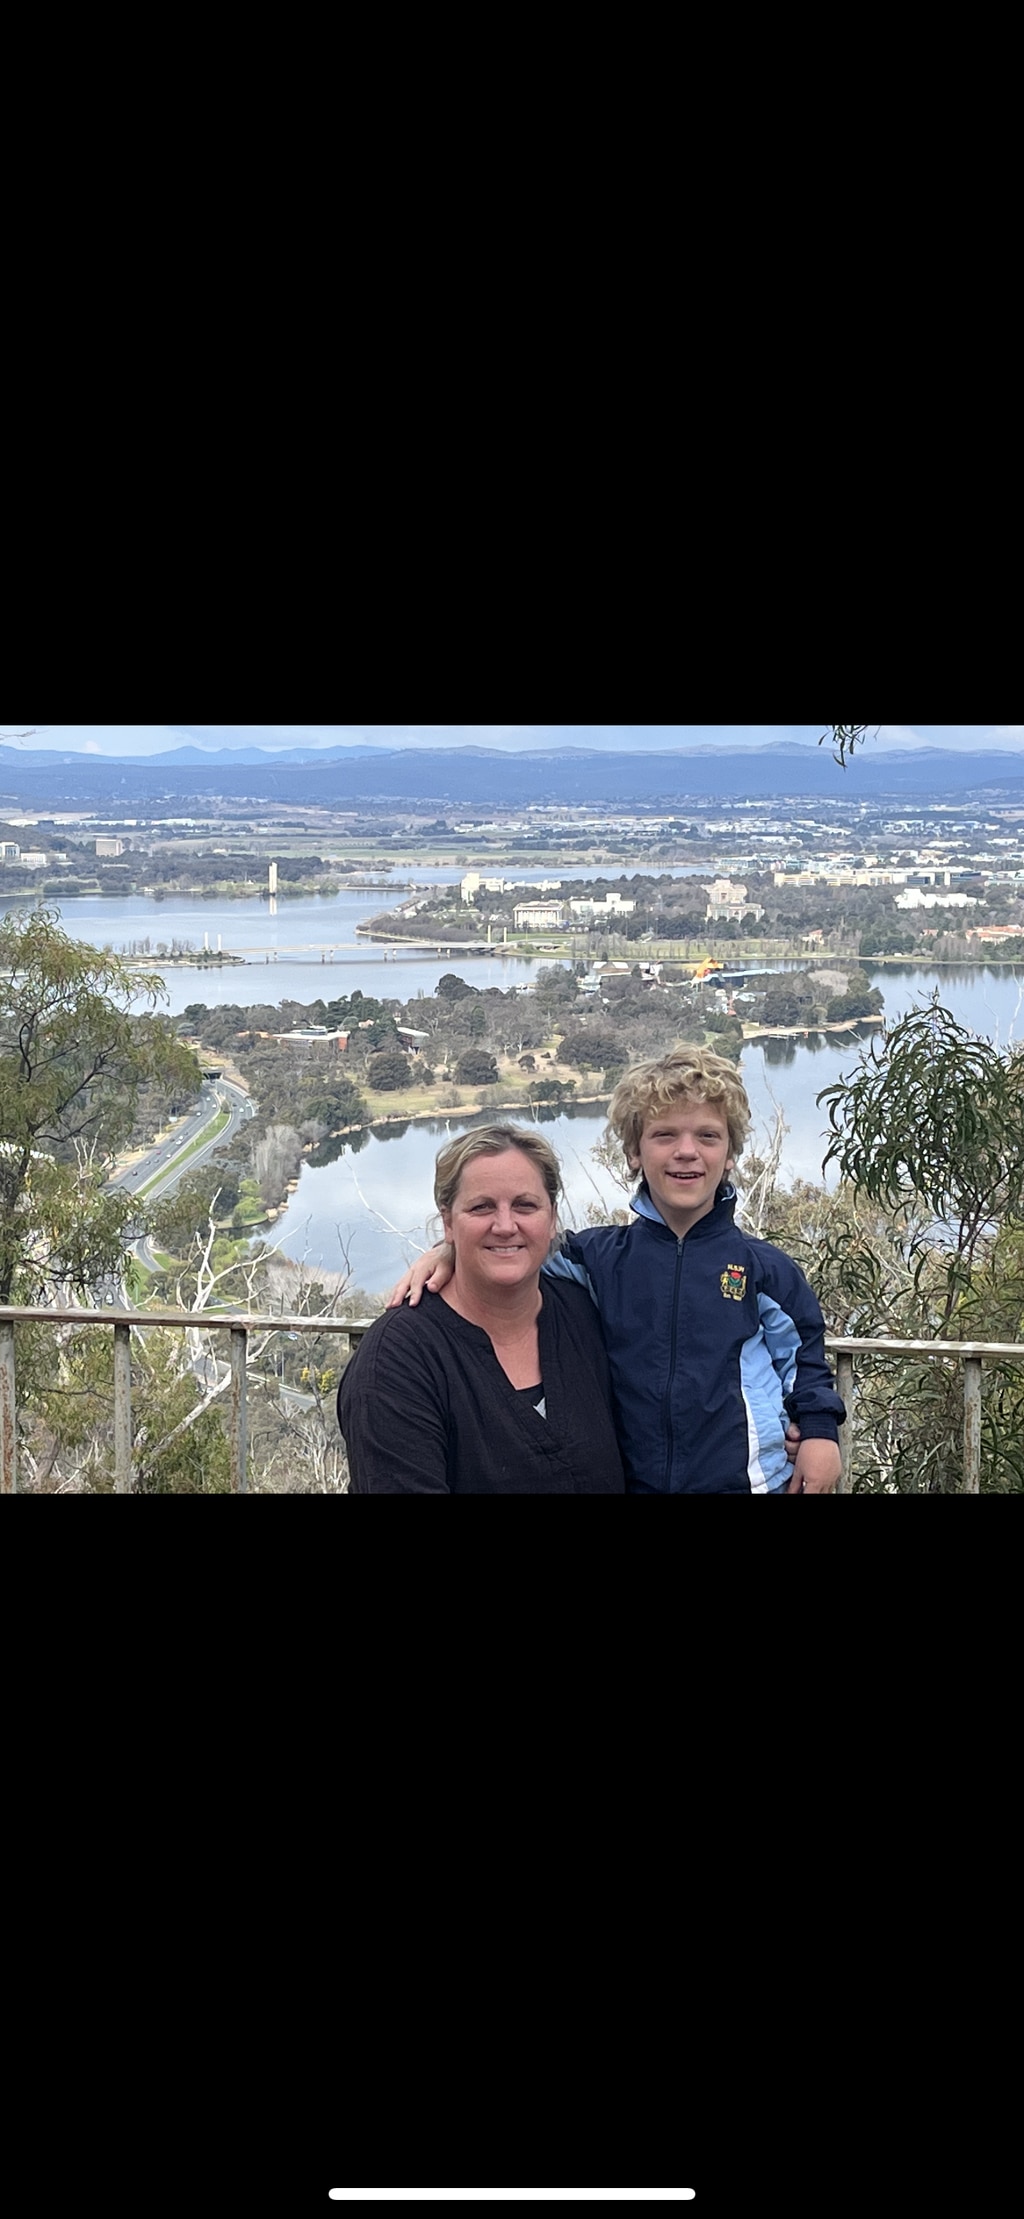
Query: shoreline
[493, 1109]
[800, 1032]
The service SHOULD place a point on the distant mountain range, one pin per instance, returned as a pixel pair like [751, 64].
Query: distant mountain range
[208, 758]
[52, 779]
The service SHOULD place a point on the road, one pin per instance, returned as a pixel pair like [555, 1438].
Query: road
[168, 1163]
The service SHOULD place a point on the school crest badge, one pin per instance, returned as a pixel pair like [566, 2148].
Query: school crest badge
[733, 1282]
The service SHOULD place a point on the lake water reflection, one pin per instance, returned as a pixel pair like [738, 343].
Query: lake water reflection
[376, 1199]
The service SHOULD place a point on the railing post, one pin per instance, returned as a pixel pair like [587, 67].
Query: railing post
[844, 1382]
[8, 1412]
[972, 1425]
[122, 1409]
[239, 1425]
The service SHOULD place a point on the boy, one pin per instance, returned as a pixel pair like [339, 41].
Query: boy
[712, 1336]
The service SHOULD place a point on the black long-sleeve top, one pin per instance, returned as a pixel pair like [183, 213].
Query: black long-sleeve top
[426, 1408]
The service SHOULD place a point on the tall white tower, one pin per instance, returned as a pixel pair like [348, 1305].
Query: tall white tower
[272, 882]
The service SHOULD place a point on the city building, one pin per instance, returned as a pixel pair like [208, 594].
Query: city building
[534, 916]
[315, 1036]
[9, 851]
[33, 859]
[727, 900]
[913, 898]
[612, 905]
[472, 884]
[108, 845]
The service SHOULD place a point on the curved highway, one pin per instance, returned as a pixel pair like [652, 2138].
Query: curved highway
[165, 1165]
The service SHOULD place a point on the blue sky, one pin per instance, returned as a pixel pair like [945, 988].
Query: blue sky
[152, 739]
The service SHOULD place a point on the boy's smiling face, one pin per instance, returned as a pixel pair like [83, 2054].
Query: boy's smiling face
[684, 1156]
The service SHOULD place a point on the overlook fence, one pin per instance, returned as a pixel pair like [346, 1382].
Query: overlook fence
[971, 1354]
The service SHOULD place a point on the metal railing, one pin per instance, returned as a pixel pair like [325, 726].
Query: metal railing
[971, 1354]
[124, 1322]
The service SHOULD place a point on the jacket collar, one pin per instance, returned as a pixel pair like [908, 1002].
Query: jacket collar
[724, 1208]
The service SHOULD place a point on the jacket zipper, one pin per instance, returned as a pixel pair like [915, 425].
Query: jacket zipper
[670, 1450]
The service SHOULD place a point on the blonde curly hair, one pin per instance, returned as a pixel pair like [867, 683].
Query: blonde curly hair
[686, 1074]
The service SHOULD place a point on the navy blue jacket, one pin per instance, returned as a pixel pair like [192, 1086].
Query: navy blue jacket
[711, 1341]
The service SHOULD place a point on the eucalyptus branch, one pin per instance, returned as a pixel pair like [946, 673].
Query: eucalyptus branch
[845, 738]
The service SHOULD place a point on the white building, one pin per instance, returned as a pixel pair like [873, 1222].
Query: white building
[808, 879]
[534, 916]
[316, 1036]
[613, 905]
[726, 899]
[913, 898]
[472, 885]
[33, 859]
[108, 845]
[9, 851]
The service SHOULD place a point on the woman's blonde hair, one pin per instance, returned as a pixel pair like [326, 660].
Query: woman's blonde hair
[687, 1074]
[494, 1140]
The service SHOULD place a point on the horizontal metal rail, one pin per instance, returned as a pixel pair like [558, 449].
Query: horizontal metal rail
[240, 1324]
[971, 1354]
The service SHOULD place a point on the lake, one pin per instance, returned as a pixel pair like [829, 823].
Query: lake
[307, 950]
[372, 1210]
[378, 1198]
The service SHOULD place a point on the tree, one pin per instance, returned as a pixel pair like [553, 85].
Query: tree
[898, 940]
[74, 1060]
[336, 1104]
[451, 988]
[784, 1006]
[589, 1048]
[934, 1116]
[276, 1158]
[176, 1220]
[854, 1003]
[476, 1068]
[380, 1033]
[389, 1071]
[551, 1090]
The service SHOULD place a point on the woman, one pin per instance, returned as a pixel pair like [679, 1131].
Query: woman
[492, 1387]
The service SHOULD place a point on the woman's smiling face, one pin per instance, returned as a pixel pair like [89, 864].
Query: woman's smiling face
[684, 1156]
[501, 1222]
